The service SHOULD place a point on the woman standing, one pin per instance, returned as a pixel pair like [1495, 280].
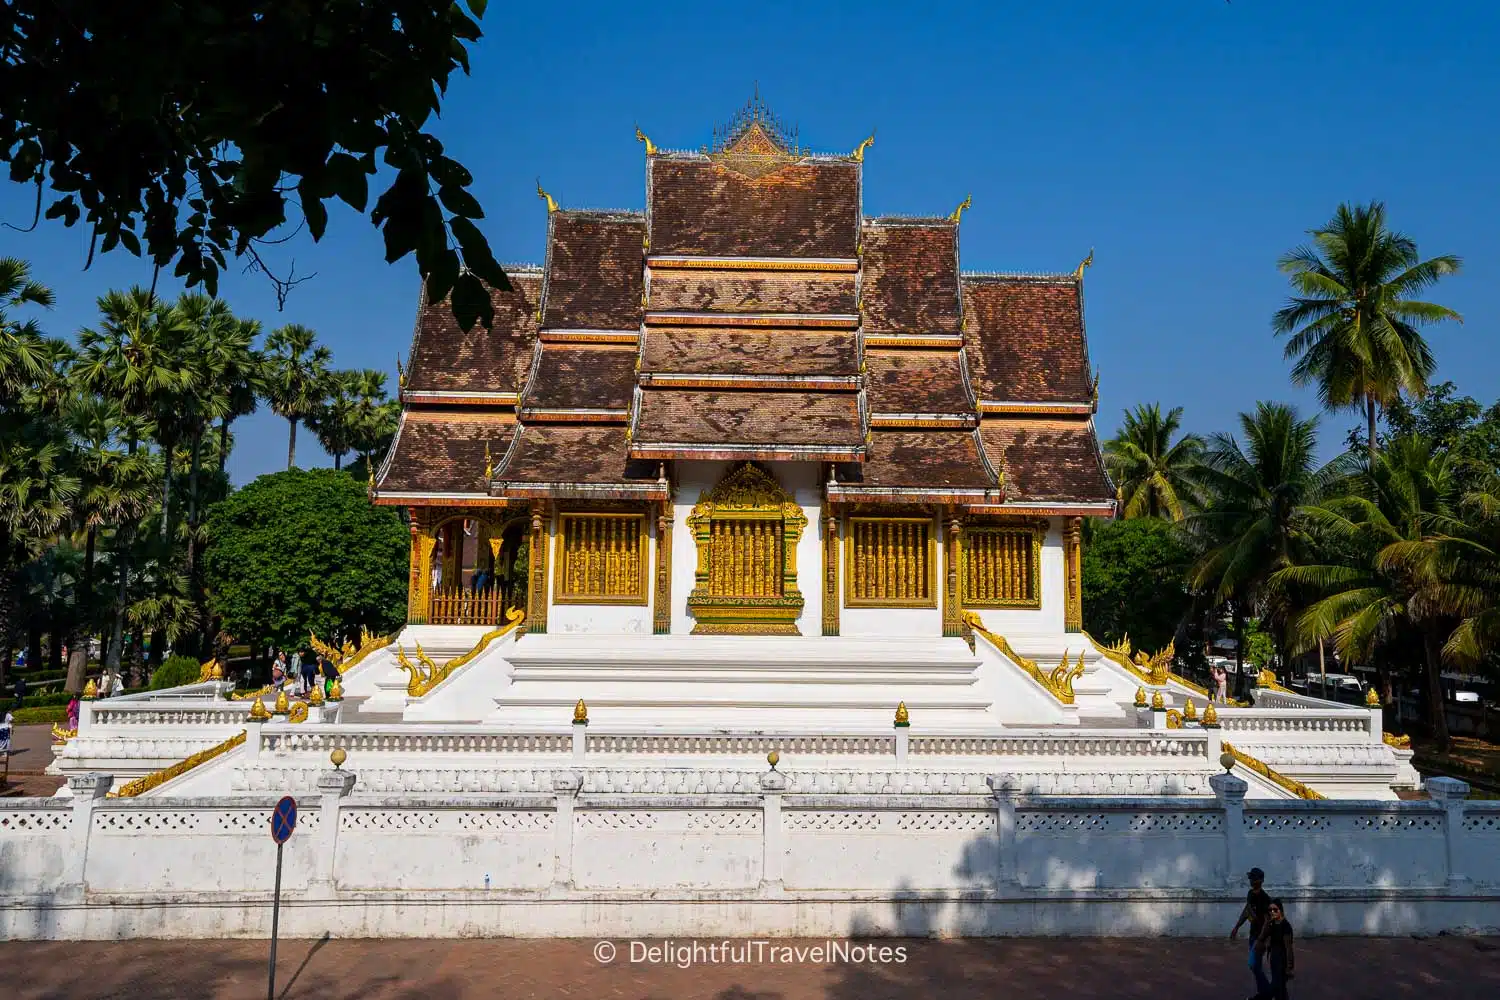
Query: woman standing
[1275, 943]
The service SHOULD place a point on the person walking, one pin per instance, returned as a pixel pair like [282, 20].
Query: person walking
[310, 670]
[1257, 903]
[296, 672]
[1275, 945]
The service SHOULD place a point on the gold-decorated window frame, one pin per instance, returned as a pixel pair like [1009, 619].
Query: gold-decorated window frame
[852, 567]
[641, 576]
[1034, 532]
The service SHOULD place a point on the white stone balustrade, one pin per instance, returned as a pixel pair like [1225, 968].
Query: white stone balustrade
[1303, 725]
[740, 852]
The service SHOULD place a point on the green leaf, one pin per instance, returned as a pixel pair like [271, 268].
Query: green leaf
[477, 255]
[471, 302]
[478, 7]
[460, 202]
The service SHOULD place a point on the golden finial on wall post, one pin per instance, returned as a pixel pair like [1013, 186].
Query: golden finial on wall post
[90, 690]
[1140, 697]
[258, 712]
[580, 713]
[1158, 702]
[551, 202]
[642, 137]
[903, 718]
[1086, 262]
[858, 156]
[1189, 710]
[957, 213]
[1372, 697]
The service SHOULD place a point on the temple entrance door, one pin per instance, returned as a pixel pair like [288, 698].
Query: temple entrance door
[475, 576]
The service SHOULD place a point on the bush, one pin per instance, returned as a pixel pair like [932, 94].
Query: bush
[40, 716]
[175, 672]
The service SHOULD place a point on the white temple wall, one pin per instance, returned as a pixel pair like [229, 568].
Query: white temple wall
[564, 861]
[1049, 619]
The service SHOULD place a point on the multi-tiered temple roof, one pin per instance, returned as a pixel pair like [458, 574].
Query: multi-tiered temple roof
[752, 311]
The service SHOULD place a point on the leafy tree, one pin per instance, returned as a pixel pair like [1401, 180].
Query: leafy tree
[1352, 321]
[1457, 426]
[26, 356]
[176, 671]
[301, 550]
[1134, 581]
[1154, 473]
[1248, 528]
[297, 378]
[185, 131]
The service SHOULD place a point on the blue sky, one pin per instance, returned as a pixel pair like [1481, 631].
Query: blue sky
[1189, 143]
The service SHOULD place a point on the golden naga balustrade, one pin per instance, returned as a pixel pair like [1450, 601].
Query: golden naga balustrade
[891, 563]
[425, 674]
[1058, 683]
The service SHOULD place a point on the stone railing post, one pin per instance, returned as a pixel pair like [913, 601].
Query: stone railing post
[1450, 793]
[334, 786]
[565, 785]
[580, 740]
[1005, 828]
[1230, 793]
[772, 785]
[88, 791]
[1377, 725]
[252, 737]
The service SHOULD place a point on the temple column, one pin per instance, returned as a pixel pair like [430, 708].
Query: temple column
[419, 582]
[536, 590]
[830, 570]
[953, 621]
[1073, 570]
[661, 621]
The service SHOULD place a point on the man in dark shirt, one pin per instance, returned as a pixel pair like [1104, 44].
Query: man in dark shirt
[1257, 903]
[1275, 944]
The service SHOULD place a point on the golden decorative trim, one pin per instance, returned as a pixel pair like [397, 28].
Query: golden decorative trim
[61, 736]
[461, 399]
[1174, 719]
[954, 624]
[746, 529]
[1153, 669]
[957, 421]
[1058, 683]
[1267, 679]
[934, 342]
[776, 320]
[883, 555]
[831, 532]
[1073, 574]
[1086, 262]
[661, 620]
[551, 202]
[349, 655]
[1399, 742]
[958, 213]
[600, 558]
[158, 778]
[1297, 788]
[843, 265]
[589, 337]
[1001, 565]
[830, 383]
[858, 156]
[426, 675]
[641, 137]
[1018, 409]
[536, 593]
[298, 712]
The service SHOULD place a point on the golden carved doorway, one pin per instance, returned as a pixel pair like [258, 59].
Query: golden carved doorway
[746, 529]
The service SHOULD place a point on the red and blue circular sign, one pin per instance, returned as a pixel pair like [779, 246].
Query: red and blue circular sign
[283, 819]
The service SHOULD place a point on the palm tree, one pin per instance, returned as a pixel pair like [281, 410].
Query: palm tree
[1375, 601]
[25, 355]
[1248, 526]
[1154, 474]
[242, 371]
[297, 377]
[1352, 320]
[376, 415]
[333, 422]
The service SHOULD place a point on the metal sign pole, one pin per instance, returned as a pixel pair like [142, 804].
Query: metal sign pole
[275, 922]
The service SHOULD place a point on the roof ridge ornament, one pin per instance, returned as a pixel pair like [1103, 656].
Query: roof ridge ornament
[958, 212]
[858, 156]
[551, 202]
[642, 137]
[1085, 263]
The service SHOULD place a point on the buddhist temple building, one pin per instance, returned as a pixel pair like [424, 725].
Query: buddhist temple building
[752, 409]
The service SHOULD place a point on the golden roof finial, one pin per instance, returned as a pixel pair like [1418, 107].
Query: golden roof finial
[642, 137]
[400, 374]
[903, 718]
[1086, 262]
[580, 712]
[958, 212]
[551, 203]
[858, 156]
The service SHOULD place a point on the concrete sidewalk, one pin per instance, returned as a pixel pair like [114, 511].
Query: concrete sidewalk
[1017, 969]
[30, 753]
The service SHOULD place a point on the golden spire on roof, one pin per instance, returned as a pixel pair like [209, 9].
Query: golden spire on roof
[858, 156]
[958, 212]
[642, 137]
[551, 202]
[400, 374]
[1086, 262]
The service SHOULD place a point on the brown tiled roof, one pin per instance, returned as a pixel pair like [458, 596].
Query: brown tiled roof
[595, 271]
[910, 279]
[445, 359]
[748, 416]
[806, 209]
[687, 350]
[907, 381]
[935, 460]
[1025, 339]
[439, 451]
[752, 292]
[586, 455]
[1044, 459]
[583, 376]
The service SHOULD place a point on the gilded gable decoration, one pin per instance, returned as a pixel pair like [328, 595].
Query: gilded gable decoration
[746, 529]
[754, 142]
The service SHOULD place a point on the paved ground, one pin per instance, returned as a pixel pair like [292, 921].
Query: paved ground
[30, 753]
[1331, 968]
